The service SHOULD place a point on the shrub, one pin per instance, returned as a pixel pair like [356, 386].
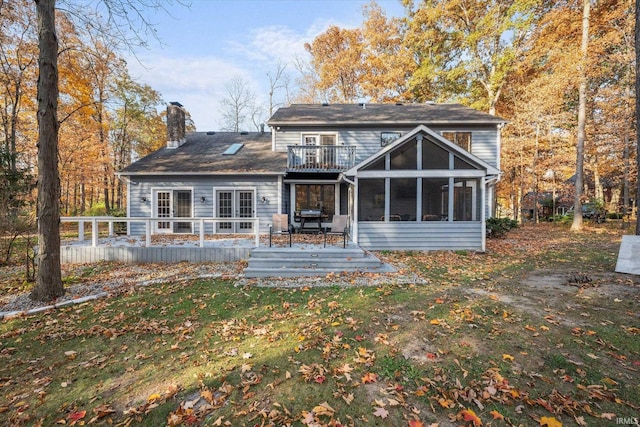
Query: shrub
[498, 227]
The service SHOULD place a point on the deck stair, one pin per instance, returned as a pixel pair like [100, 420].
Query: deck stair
[311, 261]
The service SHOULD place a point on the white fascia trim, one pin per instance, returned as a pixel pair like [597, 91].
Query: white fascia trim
[170, 174]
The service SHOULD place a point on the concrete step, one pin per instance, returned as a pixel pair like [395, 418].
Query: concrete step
[292, 262]
[322, 262]
[319, 252]
[251, 272]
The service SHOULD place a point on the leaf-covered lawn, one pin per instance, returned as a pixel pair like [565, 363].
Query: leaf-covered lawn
[536, 331]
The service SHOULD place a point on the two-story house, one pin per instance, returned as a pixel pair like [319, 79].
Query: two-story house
[410, 177]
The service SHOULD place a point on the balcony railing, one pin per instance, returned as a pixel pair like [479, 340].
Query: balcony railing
[320, 158]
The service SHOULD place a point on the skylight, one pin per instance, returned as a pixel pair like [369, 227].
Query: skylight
[233, 149]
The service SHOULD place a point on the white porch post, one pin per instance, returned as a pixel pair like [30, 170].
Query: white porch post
[256, 225]
[147, 232]
[356, 214]
[81, 231]
[94, 232]
[201, 232]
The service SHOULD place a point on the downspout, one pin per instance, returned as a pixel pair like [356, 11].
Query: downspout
[483, 219]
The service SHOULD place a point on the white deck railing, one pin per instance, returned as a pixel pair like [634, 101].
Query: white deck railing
[149, 223]
[321, 158]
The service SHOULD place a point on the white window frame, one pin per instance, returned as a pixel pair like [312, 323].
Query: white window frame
[292, 194]
[318, 136]
[234, 202]
[154, 206]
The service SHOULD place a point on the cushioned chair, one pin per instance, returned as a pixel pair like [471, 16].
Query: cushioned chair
[280, 225]
[339, 227]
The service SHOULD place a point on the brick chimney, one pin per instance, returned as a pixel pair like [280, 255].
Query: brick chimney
[175, 125]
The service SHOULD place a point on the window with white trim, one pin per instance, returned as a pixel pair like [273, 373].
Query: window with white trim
[461, 139]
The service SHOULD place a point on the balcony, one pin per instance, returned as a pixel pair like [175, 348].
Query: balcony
[320, 158]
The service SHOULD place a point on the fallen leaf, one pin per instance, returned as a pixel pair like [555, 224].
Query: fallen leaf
[496, 415]
[369, 377]
[416, 423]
[381, 412]
[508, 357]
[550, 422]
[74, 417]
[469, 415]
[324, 409]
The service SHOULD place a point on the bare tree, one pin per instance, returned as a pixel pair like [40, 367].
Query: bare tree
[278, 79]
[238, 105]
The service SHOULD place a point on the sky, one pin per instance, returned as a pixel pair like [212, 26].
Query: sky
[206, 45]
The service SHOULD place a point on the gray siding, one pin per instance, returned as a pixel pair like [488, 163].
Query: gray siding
[484, 142]
[367, 140]
[265, 186]
[134, 255]
[403, 235]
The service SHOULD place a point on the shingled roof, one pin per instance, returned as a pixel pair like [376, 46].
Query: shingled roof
[380, 114]
[202, 154]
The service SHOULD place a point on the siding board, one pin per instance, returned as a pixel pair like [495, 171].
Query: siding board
[420, 235]
[88, 254]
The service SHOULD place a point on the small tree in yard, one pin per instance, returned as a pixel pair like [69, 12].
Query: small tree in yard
[15, 197]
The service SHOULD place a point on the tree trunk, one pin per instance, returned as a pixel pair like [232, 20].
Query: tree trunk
[582, 118]
[49, 278]
[637, 36]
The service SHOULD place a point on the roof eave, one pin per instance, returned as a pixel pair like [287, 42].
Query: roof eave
[212, 173]
[385, 123]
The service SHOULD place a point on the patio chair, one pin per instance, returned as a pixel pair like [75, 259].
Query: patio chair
[280, 225]
[339, 227]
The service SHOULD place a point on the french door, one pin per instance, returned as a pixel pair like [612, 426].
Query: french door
[235, 203]
[173, 204]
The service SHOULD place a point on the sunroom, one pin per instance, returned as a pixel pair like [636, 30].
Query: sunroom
[422, 192]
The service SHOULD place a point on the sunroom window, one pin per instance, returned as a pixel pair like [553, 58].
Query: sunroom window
[402, 199]
[434, 199]
[466, 200]
[371, 199]
[434, 156]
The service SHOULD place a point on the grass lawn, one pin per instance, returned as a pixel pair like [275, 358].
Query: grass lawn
[538, 330]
